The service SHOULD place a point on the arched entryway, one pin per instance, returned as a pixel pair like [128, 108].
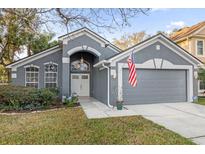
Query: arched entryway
[76, 62]
[81, 73]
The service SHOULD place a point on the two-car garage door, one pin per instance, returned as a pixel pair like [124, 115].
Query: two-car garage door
[155, 86]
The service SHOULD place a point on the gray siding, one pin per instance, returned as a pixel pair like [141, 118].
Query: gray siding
[100, 84]
[80, 41]
[150, 52]
[85, 40]
[55, 57]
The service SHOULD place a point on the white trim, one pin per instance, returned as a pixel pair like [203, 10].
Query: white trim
[31, 65]
[196, 47]
[32, 72]
[84, 47]
[13, 69]
[13, 75]
[164, 65]
[34, 57]
[100, 63]
[150, 42]
[200, 29]
[47, 63]
[50, 63]
[66, 60]
[84, 31]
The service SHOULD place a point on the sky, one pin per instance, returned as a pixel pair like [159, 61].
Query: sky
[158, 19]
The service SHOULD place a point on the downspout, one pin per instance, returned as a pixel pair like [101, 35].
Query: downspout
[108, 85]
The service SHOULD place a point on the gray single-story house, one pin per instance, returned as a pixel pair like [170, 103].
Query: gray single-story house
[87, 64]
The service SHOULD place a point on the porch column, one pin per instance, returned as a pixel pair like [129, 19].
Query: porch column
[65, 76]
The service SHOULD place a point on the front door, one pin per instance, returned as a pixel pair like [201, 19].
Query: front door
[80, 84]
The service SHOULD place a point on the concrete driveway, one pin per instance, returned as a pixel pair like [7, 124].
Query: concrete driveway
[186, 119]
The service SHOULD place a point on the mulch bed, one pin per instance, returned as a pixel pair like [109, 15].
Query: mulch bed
[51, 107]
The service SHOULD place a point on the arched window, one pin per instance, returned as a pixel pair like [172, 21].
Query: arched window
[32, 76]
[80, 66]
[50, 75]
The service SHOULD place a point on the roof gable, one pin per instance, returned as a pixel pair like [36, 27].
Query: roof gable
[162, 39]
[85, 31]
[34, 57]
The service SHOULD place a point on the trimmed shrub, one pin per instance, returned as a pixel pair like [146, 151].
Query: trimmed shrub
[25, 98]
[71, 101]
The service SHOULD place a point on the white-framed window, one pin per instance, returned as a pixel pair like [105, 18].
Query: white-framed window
[32, 76]
[200, 47]
[50, 75]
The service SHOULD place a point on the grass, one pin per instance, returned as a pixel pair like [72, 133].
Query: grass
[201, 100]
[70, 126]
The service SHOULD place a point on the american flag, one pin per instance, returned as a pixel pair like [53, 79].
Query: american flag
[132, 71]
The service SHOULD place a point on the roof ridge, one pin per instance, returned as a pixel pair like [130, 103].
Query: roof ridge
[187, 30]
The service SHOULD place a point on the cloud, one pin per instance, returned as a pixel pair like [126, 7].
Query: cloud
[176, 24]
[173, 25]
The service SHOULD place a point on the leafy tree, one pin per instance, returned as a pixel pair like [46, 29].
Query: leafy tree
[201, 74]
[127, 41]
[31, 28]
[41, 42]
[20, 28]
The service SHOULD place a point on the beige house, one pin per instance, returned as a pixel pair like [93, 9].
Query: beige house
[192, 39]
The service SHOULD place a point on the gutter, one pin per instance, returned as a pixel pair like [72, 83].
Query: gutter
[100, 63]
[108, 85]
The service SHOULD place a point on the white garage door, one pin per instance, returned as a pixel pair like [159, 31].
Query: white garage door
[155, 86]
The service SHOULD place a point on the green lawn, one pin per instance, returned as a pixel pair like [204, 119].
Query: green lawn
[201, 100]
[70, 126]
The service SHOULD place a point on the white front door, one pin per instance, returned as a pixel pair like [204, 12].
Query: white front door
[80, 84]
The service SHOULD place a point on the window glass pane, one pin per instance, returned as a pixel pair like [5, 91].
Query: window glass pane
[200, 47]
[75, 77]
[51, 75]
[84, 77]
[32, 76]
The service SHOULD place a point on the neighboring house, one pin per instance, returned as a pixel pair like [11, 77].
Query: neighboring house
[89, 65]
[192, 39]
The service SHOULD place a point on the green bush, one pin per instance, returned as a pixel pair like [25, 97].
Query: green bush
[25, 98]
[71, 102]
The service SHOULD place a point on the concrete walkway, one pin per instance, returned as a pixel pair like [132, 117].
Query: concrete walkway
[95, 109]
[186, 119]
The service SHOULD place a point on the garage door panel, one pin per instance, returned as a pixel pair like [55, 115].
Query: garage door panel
[155, 86]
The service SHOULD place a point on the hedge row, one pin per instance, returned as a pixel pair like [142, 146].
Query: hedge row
[25, 98]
